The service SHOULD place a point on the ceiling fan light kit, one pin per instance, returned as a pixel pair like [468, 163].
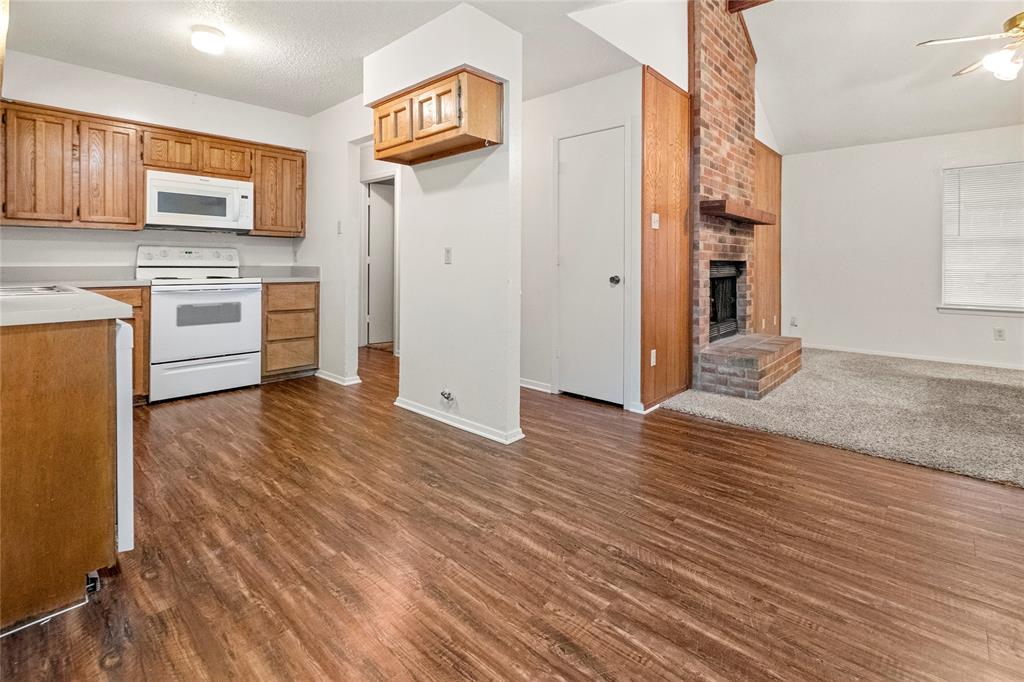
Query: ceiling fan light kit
[1004, 64]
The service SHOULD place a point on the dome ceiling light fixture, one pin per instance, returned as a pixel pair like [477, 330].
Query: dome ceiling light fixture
[208, 39]
[1005, 63]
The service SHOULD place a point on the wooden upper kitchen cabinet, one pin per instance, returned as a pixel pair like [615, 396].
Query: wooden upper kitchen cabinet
[108, 173]
[454, 113]
[291, 313]
[64, 168]
[173, 151]
[279, 192]
[223, 157]
[39, 165]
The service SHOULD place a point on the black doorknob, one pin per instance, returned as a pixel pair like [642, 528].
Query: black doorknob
[614, 279]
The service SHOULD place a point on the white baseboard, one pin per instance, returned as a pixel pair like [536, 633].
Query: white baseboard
[344, 381]
[638, 408]
[503, 437]
[537, 386]
[908, 356]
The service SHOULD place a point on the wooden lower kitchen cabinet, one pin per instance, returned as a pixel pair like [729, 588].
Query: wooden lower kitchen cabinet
[291, 320]
[138, 299]
[57, 463]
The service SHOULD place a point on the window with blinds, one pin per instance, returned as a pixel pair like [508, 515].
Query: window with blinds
[983, 237]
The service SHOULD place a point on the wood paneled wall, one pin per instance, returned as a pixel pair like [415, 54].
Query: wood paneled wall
[767, 270]
[665, 252]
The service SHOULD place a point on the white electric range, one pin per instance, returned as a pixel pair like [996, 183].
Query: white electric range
[205, 320]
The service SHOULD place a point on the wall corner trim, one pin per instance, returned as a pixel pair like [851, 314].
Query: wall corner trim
[503, 437]
[638, 408]
[537, 385]
[338, 379]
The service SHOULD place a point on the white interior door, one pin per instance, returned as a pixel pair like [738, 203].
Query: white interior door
[591, 259]
[380, 263]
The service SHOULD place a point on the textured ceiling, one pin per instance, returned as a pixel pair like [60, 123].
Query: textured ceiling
[838, 74]
[300, 57]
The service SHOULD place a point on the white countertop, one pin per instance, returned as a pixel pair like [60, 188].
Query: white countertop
[69, 305]
[92, 277]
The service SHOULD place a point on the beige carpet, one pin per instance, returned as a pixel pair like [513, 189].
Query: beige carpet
[959, 418]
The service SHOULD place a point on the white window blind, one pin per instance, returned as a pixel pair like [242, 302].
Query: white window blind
[983, 237]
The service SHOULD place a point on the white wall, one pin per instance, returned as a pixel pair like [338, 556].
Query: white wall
[762, 126]
[334, 198]
[460, 323]
[545, 119]
[45, 81]
[861, 249]
[653, 32]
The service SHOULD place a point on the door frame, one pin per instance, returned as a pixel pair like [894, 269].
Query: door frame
[630, 274]
[364, 225]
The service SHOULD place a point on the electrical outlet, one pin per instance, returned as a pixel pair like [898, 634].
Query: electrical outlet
[654, 357]
[448, 255]
[793, 322]
[999, 333]
[655, 221]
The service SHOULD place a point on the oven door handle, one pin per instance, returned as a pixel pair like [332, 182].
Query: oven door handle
[170, 289]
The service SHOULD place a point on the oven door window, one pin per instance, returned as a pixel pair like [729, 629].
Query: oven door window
[192, 204]
[196, 314]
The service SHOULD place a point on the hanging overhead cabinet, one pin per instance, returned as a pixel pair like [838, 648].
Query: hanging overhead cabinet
[456, 112]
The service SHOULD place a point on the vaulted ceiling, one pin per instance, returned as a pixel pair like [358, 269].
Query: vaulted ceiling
[838, 74]
[300, 57]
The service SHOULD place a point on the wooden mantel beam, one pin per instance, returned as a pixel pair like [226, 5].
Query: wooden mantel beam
[740, 5]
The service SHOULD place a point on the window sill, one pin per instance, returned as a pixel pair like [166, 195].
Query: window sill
[980, 310]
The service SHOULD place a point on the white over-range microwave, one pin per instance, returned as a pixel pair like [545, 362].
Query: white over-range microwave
[196, 202]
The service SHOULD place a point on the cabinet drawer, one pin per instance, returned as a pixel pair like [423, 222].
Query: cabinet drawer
[132, 296]
[291, 296]
[281, 355]
[291, 325]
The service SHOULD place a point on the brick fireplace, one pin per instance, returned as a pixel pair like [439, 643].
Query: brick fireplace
[722, 103]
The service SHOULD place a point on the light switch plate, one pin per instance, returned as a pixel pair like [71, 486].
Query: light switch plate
[448, 255]
[655, 221]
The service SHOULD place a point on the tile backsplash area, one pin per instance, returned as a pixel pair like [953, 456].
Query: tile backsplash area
[63, 246]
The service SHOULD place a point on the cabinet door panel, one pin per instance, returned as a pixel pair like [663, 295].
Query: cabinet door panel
[279, 192]
[392, 124]
[39, 166]
[108, 173]
[436, 109]
[224, 158]
[167, 150]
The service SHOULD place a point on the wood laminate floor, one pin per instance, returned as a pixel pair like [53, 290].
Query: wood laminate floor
[303, 530]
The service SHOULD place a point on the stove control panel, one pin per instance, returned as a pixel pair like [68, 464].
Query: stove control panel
[188, 256]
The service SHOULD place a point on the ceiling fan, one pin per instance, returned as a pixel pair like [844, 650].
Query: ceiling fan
[1005, 63]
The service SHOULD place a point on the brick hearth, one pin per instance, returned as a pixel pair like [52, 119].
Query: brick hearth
[749, 366]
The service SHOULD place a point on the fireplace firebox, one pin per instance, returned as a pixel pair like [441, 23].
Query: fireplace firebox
[724, 314]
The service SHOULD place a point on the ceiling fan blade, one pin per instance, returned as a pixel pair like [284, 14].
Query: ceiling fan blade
[968, 69]
[965, 39]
